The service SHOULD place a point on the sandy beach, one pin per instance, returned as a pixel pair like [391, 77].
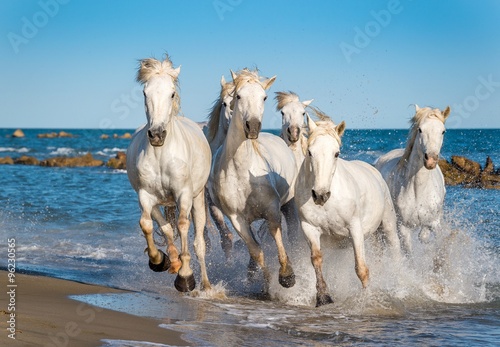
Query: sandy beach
[45, 316]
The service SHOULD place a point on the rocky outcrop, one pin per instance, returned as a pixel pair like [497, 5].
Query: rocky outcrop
[26, 160]
[54, 135]
[468, 173]
[85, 160]
[118, 162]
[6, 160]
[18, 133]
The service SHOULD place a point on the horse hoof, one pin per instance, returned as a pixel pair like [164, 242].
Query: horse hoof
[163, 265]
[184, 284]
[323, 299]
[287, 281]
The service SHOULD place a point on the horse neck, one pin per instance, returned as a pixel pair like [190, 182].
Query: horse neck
[219, 137]
[235, 136]
[414, 165]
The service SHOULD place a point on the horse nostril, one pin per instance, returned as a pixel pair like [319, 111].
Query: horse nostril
[315, 197]
[150, 134]
[328, 196]
[288, 131]
[247, 125]
[426, 156]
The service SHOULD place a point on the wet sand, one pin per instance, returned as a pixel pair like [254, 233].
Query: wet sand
[45, 316]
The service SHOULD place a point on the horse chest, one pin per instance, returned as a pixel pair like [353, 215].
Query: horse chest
[420, 203]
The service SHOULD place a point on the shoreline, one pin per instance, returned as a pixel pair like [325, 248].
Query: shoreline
[45, 315]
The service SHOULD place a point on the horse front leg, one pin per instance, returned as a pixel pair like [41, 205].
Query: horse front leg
[313, 238]
[286, 275]
[199, 219]
[358, 243]
[156, 258]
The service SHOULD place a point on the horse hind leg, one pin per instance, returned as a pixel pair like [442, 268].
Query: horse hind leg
[184, 282]
[226, 237]
[171, 262]
[292, 220]
[199, 219]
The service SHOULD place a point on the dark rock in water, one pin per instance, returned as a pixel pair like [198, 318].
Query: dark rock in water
[466, 165]
[489, 168]
[25, 160]
[6, 160]
[18, 133]
[468, 173]
[64, 134]
[118, 162]
[85, 160]
[54, 135]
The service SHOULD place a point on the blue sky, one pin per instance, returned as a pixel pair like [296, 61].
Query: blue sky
[72, 63]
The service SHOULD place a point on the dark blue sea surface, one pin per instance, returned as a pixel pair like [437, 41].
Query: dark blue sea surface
[82, 224]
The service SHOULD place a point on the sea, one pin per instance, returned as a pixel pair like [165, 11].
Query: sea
[82, 224]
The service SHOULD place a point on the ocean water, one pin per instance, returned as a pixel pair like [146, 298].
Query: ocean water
[82, 224]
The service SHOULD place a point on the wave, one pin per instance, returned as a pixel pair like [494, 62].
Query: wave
[16, 150]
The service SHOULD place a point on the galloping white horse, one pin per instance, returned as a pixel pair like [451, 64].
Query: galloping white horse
[216, 131]
[253, 173]
[414, 177]
[340, 199]
[293, 113]
[168, 163]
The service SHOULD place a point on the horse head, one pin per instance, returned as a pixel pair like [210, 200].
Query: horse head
[292, 115]
[161, 99]
[248, 101]
[322, 155]
[429, 132]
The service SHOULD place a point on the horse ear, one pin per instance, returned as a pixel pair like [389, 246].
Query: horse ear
[340, 128]
[446, 112]
[233, 75]
[222, 81]
[417, 108]
[177, 71]
[307, 102]
[311, 124]
[266, 84]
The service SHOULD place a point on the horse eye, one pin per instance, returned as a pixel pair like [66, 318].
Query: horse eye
[337, 154]
[310, 154]
[282, 113]
[173, 94]
[224, 104]
[238, 97]
[419, 130]
[265, 98]
[144, 93]
[303, 114]
[443, 132]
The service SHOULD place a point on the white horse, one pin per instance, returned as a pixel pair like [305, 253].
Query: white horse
[253, 173]
[168, 163]
[216, 131]
[414, 177]
[293, 113]
[340, 199]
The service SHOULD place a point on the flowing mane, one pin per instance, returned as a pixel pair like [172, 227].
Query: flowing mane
[214, 116]
[283, 98]
[325, 126]
[150, 67]
[420, 115]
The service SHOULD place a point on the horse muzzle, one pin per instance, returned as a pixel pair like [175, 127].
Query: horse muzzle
[430, 161]
[320, 198]
[157, 136]
[293, 133]
[252, 129]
